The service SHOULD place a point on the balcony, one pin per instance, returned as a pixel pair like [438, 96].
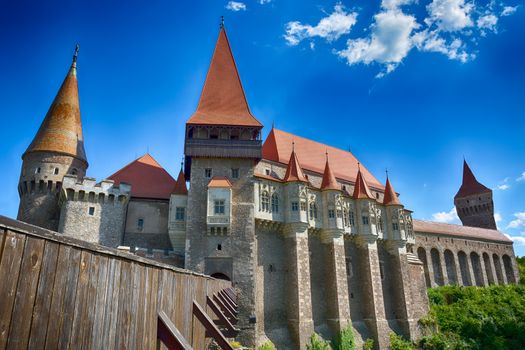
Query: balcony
[218, 220]
[223, 148]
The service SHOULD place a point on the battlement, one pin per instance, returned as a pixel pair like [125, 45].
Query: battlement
[87, 189]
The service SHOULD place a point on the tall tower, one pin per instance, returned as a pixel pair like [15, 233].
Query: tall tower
[56, 150]
[222, 146]
[473, 202]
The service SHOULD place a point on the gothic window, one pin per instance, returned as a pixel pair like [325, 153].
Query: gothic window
[345, 217]
[207, 172]
[303, 206]
[265, 201]
[180, 213]
[219, 207]
[140, 224]
[275, 203]
[331, 213]
[365, 220]
[91, 211]
[351, 219]
[395, 226]
[295, 206]
[380, 224]
[313, 210]
[338, 212]
[235, 173]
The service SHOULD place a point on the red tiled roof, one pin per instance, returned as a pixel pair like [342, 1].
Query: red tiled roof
[147, 177]
[329, 182]
[470, 186]
[61, 130]
[294, 172]
[267, 177]
[390, 195]
[278, 146]
[460, 231]
[361, 190]
[222, 100]
[219, 181]
[180, 185]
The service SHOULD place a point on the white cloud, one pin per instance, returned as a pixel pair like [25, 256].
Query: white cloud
[450, 15]
[497, 217]
[330, 28]
[509, 10]
[389, 42]
[432, 42]
[517, 239]
[522, 177]
[503, 187]
[264, 2]
[236, 6]
[487, 22]
[518, 222]
[447, 217]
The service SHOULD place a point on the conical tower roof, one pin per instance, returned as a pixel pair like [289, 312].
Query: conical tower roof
[222, 100]
[390, 195]
[470, 185]
[180, 185]
[294, 172]
[61, 130]
[361, 190]
[329, 181]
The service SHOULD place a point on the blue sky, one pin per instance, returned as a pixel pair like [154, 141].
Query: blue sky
[408, 86]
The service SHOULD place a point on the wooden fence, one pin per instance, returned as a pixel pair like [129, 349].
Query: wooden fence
[59, 292]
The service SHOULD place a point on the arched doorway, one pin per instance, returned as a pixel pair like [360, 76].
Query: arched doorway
[220, 276]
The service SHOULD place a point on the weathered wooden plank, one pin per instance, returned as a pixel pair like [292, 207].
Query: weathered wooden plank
[26, 293]
[199, 331]
[133, 304]
[96, 287]
[170, 335]
[111, 314]
[9, 266]
[153, 309]
[43, 296]
[205, 320]
[73, 297]
[100, 304]
[124, 310]
[142, 306]
[3, 234]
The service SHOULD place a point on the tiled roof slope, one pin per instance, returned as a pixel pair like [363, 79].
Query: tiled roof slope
[222, 100]
[294, 172]
[220, 182]
[361, 190]
[147, 177]
[460, 231]
[180, 185]
[329, 182]
[278, 146]
[390, 195]
[61, 130]
[470, 185]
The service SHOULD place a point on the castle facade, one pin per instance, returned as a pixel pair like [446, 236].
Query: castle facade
[310, 239]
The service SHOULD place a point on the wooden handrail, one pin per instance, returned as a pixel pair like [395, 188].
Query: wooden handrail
[169, 335]
[225, 308]
[223, 320]
[230, 300]
[227, 303]
[210, 327]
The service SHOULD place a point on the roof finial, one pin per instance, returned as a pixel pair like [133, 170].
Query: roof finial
[273, 124]
[293, 146]
[326, 153]
[222, 22]
[386, 171]
[75, 54]
[358, 166]
[182, 163]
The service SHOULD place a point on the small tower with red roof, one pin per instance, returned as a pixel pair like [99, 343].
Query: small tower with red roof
[474, 203]
[178, 214]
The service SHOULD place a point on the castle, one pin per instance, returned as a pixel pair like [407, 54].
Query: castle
[310, 239]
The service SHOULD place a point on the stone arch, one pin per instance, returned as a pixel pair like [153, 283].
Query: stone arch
[488, 268]
[422, 255]
[463, 267]
[476, 268]
[436, 267]
[509, 272]
[450, 265]
[497, 266]
[220, 276]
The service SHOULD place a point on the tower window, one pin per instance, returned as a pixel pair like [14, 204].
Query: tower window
[377, 195]
[207, 172]
[140, 224]
[74, 171]
[313, 210]
[395, 226]
[219, 207]
[91, 211]
[37, 170]
[303, 206]
[295, 206]
[235, 173]
[351, 219]
[275, 203]
[180, 213]
[56, 171]
[265, 202]
[331, 213]
[219, 247]
[365, 220]
[267, 171]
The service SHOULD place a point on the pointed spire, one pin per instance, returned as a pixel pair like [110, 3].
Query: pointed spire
[361, 190]
[222, 100]
[180, 184]
[390, 195]
[470, 185]
[61, 130]
[294, 172]
[329, 181]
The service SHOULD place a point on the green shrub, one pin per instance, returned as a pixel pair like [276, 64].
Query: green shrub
[317, 343]
[368, 344]
[397, 342]
[236, 344]
[345, 339]
[521, 266]
[267, 346]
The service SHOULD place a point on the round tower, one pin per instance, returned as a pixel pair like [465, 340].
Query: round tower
[56, 150]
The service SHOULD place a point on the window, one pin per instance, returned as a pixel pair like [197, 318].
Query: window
[265, 202]
[303, 206]
[219, 207]
[349, 271]
[267, 171]
[382, 270]
[365, 220]
[313, 210]
[207, 172]
[275, 203]
[395, 226]
[91, 211]
[219, 247]
[235, 173]
[331, 213]
[295, 206]
[351, 219]
[180, 213]
[377, 195]
[140, 224]
[56, 171]
[338, 212]
[380, 224]
[37, 171]
[74, 171]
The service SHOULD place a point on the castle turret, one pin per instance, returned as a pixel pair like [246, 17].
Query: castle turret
[473, 202]
[177, 215]
[56, 150]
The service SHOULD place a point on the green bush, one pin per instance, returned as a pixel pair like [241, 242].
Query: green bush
[521, 267]
[345, 339]
[267, 346]
[368, 344]
[397, 342]
[317, 343]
